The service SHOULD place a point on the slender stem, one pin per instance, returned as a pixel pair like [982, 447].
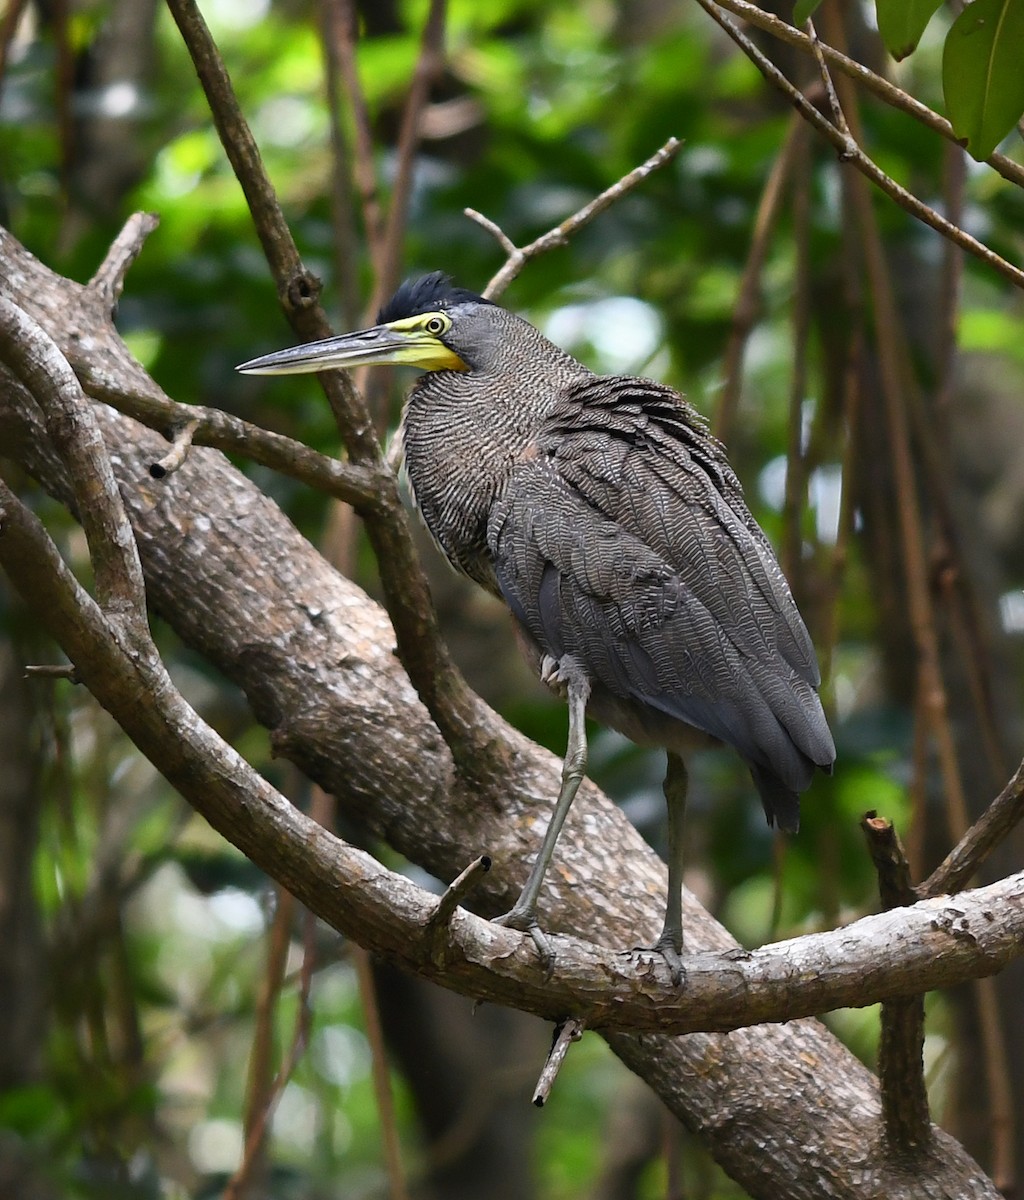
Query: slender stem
[261, 1093]
[560, 234]
[428, 66]
[346, 242]
[850, 151]
[1010, 170]
[398, 1189]
[748, 296]
[905, 1116]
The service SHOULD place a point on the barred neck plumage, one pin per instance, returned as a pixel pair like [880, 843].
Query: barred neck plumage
[464, 431]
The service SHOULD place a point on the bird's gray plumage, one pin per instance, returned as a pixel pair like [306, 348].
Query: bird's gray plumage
[606, 515]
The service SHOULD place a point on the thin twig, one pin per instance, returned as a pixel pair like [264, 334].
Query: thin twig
[748, 295]
[1002, 1108]
[458, 890]
[262, 1090]
[342, 18]
[428, 66]
[838, 118]
[850, 151]
[795, 498]
[51, 671]
[882, 88]
[398, 1189]
[108, 281]
[175, 457]
[569, 1031]
[965, 859]
[345, 241]
[64, 81]
[451, 898]
[905, 1116]
[560, 234]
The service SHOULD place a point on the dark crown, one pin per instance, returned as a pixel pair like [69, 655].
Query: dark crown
[428, 293]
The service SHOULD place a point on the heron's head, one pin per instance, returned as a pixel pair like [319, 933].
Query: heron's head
[427, 323]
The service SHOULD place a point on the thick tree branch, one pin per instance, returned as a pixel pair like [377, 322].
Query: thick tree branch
[315, 658]
[934, 944]
[72, 427]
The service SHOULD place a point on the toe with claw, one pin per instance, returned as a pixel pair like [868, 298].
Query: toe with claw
[525, 921]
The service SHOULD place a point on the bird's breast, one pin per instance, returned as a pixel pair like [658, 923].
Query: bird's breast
[454, 470]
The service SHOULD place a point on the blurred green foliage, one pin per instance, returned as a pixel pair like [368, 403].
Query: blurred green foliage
[558, 101]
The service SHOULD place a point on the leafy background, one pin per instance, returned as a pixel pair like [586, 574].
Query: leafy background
[146, 952]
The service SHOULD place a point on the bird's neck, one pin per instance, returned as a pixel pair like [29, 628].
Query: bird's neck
[463, 433]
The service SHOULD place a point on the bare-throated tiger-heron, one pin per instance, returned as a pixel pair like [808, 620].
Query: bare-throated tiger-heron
[606, 516]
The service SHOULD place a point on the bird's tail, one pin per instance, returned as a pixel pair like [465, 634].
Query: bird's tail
[781, 803]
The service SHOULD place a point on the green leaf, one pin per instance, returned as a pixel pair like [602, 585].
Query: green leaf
[982, 75]
[804, 9]
[901, 23]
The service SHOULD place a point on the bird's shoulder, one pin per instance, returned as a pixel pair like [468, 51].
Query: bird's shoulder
[612, 417]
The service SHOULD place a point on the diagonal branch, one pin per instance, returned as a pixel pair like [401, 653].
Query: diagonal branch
[966, 858]
[518, 257]
[934, 944]
[452, 705]
[71, 424]
[880, 87]
[850, 151]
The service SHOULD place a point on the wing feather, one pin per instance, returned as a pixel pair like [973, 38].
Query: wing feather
[624, 540]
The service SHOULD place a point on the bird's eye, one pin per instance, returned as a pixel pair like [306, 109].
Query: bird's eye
[436, 325]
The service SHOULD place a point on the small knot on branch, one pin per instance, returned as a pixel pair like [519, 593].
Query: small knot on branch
[302, 292]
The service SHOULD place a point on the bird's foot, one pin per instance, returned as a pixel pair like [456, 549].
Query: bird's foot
[525, 921]
[670, 948]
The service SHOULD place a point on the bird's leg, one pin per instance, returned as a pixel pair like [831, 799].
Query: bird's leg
[523, 914]
[670, 944]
